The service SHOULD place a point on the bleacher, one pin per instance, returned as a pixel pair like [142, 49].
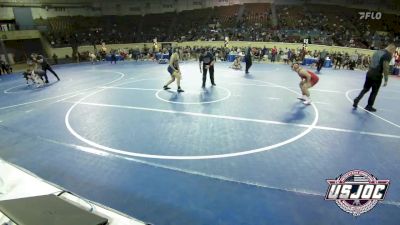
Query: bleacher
[157, 24]
[289, 16]
[226, 15]
[320, 22]
[190, 23]
[257, 13]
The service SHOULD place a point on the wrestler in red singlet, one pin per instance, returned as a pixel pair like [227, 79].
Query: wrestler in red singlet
[308, 80]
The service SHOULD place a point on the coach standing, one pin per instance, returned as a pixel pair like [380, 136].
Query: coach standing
[207, 59]
[379, 64]
[45, 65]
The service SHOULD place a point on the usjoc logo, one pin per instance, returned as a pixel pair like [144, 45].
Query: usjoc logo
[356, 191]
[370, 15]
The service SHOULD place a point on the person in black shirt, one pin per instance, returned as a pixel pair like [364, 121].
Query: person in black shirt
[9, 68]
[248, 60]
[321, 60]
[3, 67]
[338, 60]
[207, 59]
[55, 58]
[45, 66]
[379, 64]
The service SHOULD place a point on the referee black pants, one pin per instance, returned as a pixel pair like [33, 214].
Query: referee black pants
[248, 65]
[211, 69]
[320, 64]
[51, 70]
[370, 83]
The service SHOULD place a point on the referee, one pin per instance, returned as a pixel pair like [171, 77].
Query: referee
[248, 60]
[207, 59]
[45, 65]
[321, 60]
[379, 64]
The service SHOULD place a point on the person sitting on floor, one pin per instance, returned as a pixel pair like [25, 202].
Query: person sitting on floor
[236, 63]
[35, 76]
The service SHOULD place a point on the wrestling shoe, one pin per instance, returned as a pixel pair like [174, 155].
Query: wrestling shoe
[355, 103]
[370, 109]
[301, 98]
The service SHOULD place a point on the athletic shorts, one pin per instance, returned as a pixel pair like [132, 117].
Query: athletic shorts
[314, 80]
[173, 72]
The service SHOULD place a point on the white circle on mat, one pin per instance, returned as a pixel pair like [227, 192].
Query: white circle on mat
[228, 95]
[188, 157]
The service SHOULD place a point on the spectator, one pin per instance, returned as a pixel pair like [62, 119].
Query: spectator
[274, 52]
[3, 66]
[55, 58]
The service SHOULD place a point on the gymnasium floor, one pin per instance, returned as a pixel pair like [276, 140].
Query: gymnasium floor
[243, 152]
